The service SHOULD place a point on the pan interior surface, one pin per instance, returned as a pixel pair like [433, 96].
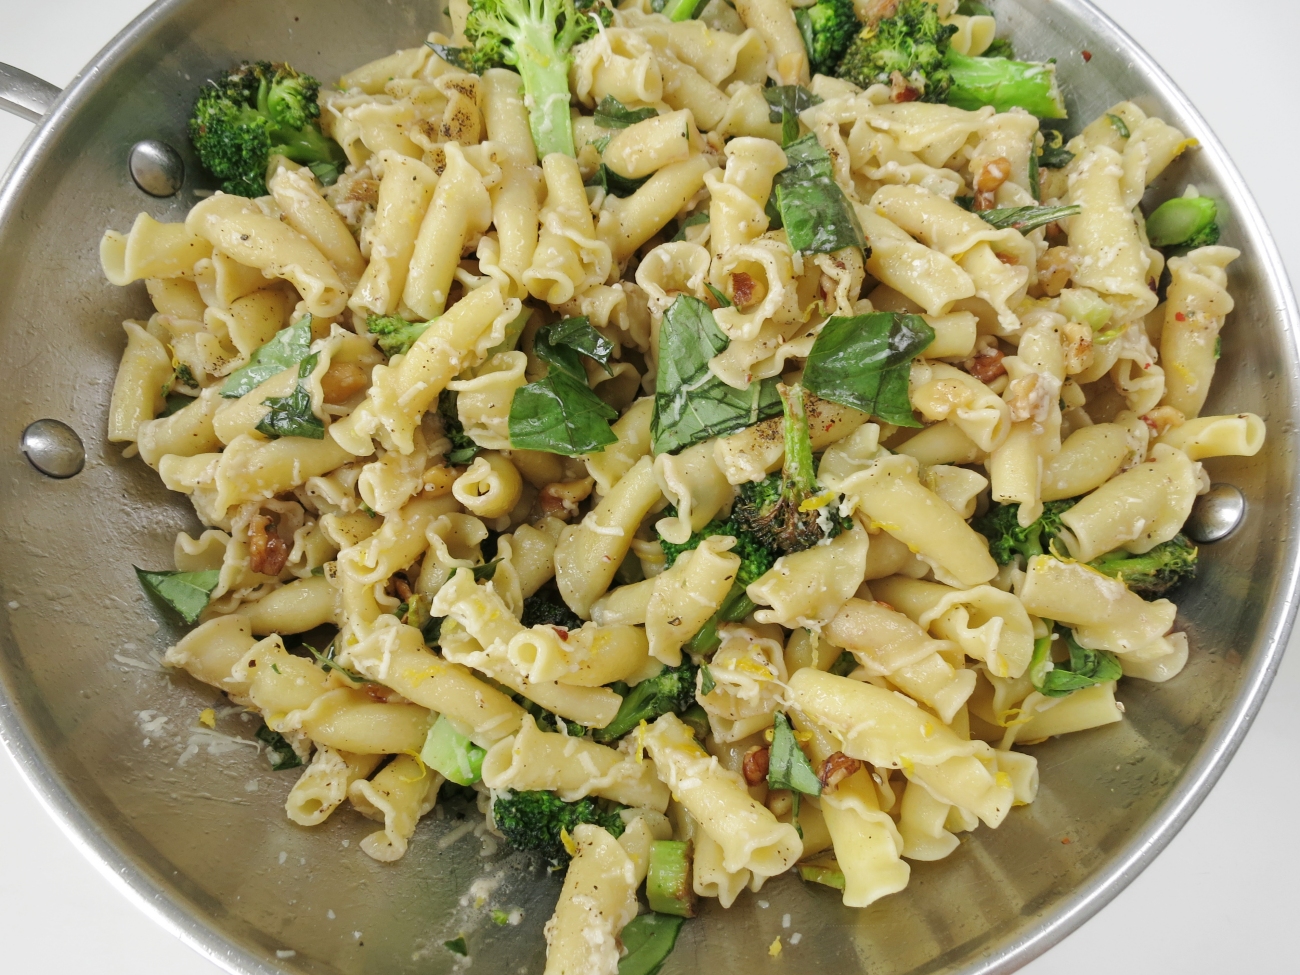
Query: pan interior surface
[194, 823]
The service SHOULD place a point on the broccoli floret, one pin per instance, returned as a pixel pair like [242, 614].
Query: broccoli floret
[257, 111]
[1156, 572]
[672, 689]
[1007, 539]
[533, 821]
[463, 448]
[789, 511]
[396, 335]
[755, 558]
[1184, 223]
[536, 38]
[547, 606]
[911, 42]
[828, 27]
[917, 45]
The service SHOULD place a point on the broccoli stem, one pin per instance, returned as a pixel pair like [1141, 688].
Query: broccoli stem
[1181, 219]
[829, 874]
[679, 10]
[668, 882]
[798, 471]
[1004, 84]
[452, 754]
[546, 84]
[736, 605]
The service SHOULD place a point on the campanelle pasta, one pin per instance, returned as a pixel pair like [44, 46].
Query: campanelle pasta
[505, 459]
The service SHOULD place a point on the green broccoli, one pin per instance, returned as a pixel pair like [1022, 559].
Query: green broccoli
[1184, 223]
[534, 820]
[396, 335]
[1154, 573]
[789, 511]
[917, 45]
[1007, 539]
[257, 111]
[672, 689]
[828, 27]
[679, 10]
[536, 38]
[463, 448]
[547, 606]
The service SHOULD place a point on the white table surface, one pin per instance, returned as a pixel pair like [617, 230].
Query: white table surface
[1221, 898]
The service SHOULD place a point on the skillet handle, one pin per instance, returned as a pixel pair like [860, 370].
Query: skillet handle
[25, 95]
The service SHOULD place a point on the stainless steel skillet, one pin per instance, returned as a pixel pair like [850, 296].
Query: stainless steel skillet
[209, 866]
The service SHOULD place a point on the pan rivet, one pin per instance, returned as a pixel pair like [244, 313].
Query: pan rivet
[54, 448]
[1216, 514]
[156, 167]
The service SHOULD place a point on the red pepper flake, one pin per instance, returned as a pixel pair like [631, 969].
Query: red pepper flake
[1065, 841]
[1179, 316]
[561, 632]
[1087, 55]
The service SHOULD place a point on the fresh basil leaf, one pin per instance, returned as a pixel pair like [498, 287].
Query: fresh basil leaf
[288, 348]
[613, 114]
[185, 592]
[722, 300]
[692, 404]
[844, 664]
[694, 220]
[560, 414]
[1026, 219]
[175, 403]
[484, 572]
[707, 683]
[787, 766]
[292, 415]
[578, 333]
[866, 361]
[965, 202]
[278, 750]
[614, 184]
[784, 103]
[463, 449]
[1087, 667]
[649, 940]
[1053, 154]
[1119, 125]
[816, 214]
[457, 946]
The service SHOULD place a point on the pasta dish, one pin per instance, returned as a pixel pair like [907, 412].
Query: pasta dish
[700, 441]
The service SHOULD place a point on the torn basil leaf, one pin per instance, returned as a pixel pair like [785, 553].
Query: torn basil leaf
[694, 220]
[175, 403]
[185, 592]
[817, 216]
[1026, 219]
[692, 404]
[649, 940]
[278, 750]
[787, 766]
[578, 333]
[707, 683]
[560, 414]
[292, 415]
[614, 184]
[457, 946]
[722, 300]
[288, 348]
[613, 114]
[1086, 668]
[866, 362]
[784, 103]
[484, 572]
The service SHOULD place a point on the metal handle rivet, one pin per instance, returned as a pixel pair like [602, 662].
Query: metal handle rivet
[156, 167]
[53, 448]
[1216, 514]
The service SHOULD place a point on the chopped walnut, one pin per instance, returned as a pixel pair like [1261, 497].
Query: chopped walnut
[342, 381]
[1028, 398]
[561, 499]
[901, 90]
[1163, 419]
[267, 551]
[1076, 344]
[986, 365]
[836, 769]
[402, 588]
[991, 176]
[742, 289]
[1054, 270]
[754, 764]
